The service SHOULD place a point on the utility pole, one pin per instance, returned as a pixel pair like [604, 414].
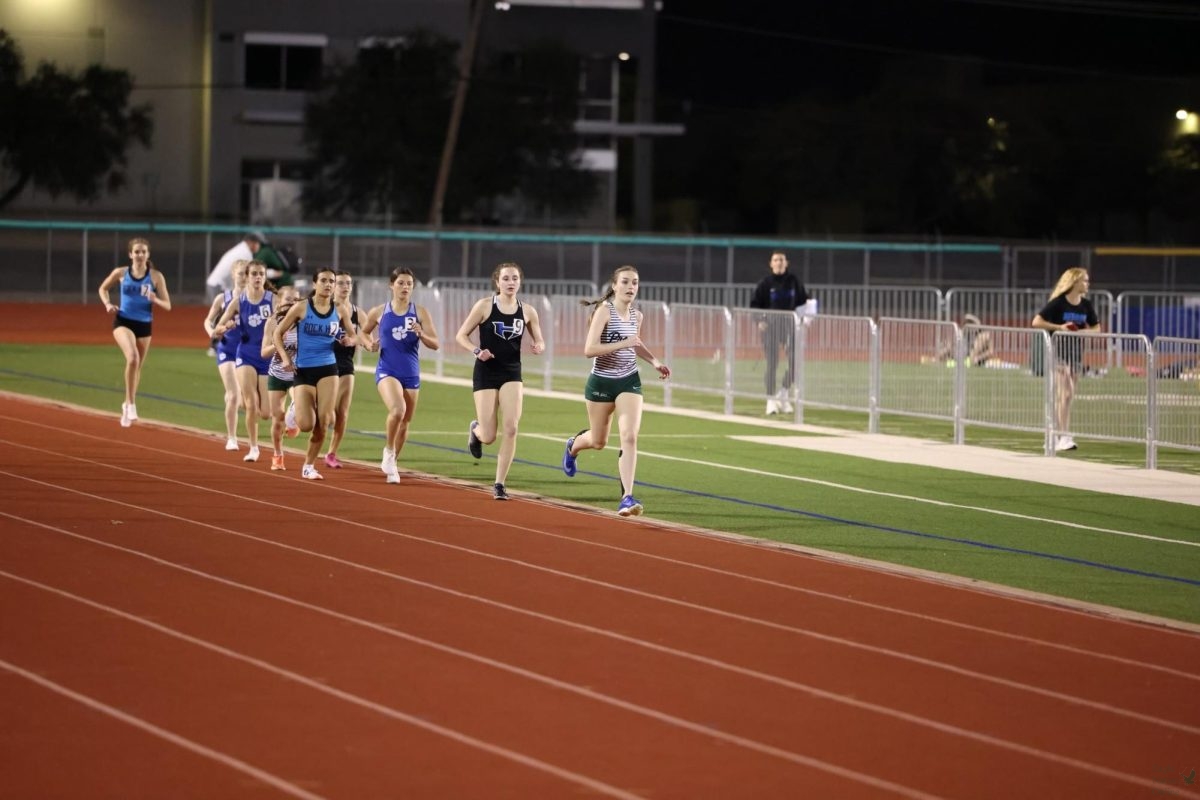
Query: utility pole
[466, 59]
[643, 144]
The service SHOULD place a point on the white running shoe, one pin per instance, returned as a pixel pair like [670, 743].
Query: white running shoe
[393, 476]
[125, 420]
[772, 406]
[231, 444]
[1064, 443]
[309, 473]
[252, 455]
[289, 419]
[388, 464]
[132, 411]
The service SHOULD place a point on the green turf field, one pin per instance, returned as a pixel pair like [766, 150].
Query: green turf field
[1142, 555]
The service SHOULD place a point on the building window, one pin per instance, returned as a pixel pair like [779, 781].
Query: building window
[284, 61]
[255, 170]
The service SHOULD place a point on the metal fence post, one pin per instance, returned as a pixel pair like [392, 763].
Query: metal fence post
[1151, 406]
[875, 379]
[49, 258]
[800, 343]
[83, 278]
[960, 384]
[729, 348]
[668, 350]
[548, 354]
[1048, 393]
[595, 262]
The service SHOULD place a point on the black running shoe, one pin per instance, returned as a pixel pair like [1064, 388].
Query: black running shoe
[498, 492]
[473, 444]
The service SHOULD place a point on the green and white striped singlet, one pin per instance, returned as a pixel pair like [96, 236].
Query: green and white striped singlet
[623, 362]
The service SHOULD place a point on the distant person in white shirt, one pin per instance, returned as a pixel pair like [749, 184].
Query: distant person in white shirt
[221, 277]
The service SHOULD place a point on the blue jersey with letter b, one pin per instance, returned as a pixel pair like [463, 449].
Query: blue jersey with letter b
[398, 344]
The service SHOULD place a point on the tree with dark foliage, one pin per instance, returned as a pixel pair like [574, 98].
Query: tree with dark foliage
[376, 132]
[65, 133]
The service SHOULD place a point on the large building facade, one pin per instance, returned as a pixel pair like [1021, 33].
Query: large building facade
[229, 80]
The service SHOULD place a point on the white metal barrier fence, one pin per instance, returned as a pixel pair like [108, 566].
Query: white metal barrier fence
[992, 376]
[1014, 308]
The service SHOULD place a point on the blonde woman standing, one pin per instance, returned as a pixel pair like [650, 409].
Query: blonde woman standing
[1069, 310]
[615, 387]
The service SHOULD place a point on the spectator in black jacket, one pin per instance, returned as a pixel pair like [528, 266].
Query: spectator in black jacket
[779, 291]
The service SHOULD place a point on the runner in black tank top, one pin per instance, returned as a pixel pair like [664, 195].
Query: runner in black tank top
[343, 286]
[501, 322]
[501, 334]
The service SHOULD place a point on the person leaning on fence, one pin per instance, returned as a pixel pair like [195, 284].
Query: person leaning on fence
[979, 346]
[1069, 310]
[779, 291]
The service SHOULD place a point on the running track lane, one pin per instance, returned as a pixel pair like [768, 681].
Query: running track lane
[436, 643]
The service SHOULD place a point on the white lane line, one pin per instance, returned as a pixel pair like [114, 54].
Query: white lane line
[814, 691]
[387, 711]
[692, 727]
[914, 499]
[154, 730]
[893, 571]
[688, 564]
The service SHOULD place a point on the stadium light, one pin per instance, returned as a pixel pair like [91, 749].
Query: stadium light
[1181, 114]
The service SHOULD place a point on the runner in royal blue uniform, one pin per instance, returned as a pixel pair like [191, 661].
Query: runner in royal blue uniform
[403, 327]
[226, 350]
[319, 323]
[142, 288]
[252, 309]
[501, 321]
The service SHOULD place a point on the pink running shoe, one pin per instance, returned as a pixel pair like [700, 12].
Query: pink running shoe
[331, 461]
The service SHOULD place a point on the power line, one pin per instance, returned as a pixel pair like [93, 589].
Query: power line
[1109, 8]
[908, 51]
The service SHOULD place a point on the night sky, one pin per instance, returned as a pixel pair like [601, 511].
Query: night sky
[748, 53]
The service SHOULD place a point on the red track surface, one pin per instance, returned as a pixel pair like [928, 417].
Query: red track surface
[175, 623]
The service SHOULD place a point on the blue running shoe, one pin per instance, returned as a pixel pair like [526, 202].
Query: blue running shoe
[629, 507]
[473, 444]
[568, 462]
